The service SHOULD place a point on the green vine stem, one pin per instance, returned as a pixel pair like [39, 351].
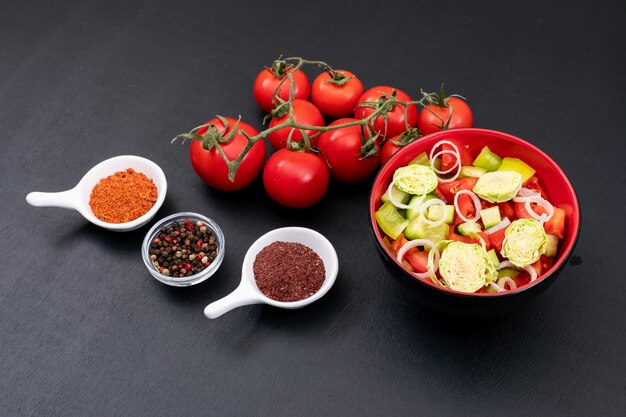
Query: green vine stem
[211, 138]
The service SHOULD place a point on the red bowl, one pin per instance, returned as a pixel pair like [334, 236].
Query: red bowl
[553, 181]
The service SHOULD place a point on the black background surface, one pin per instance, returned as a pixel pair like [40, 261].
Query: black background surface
[86, 331]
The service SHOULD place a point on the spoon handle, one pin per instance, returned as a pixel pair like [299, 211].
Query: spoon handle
[64, 199]
[240, 297]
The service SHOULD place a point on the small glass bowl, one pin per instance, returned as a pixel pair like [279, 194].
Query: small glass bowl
[192, 279]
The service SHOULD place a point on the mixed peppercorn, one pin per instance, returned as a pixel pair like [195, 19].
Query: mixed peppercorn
[183, 248]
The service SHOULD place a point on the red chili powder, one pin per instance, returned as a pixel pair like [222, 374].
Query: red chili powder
[123, 197]
[288, 271]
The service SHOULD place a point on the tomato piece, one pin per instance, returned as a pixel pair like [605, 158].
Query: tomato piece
[542, 265]
[496, 239]
[507, 209]
[466, 206]
[395, 121]
[556, 225]
[210, 166]
[304, 113]
[334, 96]
[485, 238]
[458, 238]
[398, 243]
[449, 189]
[342, 148]
[418, 259]
[448, 160]
[522, 213]
[434, 118]
[533, 185]
[295, 179]
[267, 81]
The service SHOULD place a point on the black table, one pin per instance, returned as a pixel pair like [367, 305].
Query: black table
[86, 331]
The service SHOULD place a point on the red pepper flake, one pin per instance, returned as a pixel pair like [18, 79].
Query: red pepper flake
[123, 197]
[288, 271]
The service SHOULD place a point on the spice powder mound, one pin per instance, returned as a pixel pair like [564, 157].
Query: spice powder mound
[123, 196]
[288, 271]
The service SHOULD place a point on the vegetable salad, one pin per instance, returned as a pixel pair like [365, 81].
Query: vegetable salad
[470, 223]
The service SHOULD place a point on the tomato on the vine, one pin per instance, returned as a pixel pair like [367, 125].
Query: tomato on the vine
[444, 113]
[296, 179]
[267, 81]
[352, 155]
[336, 93]
[304, 113]
[396, 143]
[211, 167]
[395, 122]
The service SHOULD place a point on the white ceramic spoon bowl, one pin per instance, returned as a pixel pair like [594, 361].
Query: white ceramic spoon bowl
[78, 197]
[248, 293]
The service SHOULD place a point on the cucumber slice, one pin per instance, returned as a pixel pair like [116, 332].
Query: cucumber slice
[414, 210]
[508, 272]
[398, 195]
[390, 221]
[418, 229]
[552, 243]
[517, 165]
[490, 216]
[487, 160]
[471, 172]
[436, 212]
[494, 257]
[468, 227]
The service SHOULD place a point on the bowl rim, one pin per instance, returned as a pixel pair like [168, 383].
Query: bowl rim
[427, 283]
[192, 279]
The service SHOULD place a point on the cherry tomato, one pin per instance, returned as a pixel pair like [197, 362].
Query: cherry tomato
[304, 113]
[336, 94]
[396, 122]
[343, 149]
[435, 117]
[267, 81]
[295, 179]
[212, 169]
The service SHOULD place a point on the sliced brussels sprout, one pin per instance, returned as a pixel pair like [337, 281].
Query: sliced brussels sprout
[524, 242]
[498, 186]
[466, 267]
[415, 179]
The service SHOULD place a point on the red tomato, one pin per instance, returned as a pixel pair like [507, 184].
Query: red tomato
[434, 117]
[533, 184]
[396, 122]
[556, 225]
[304, 113]
[496, 240]
[212, 169]
[335, 96]
[448, 160]
[396, 143]
[418, 259]
[389, 148]
[522, 213]
[507, 209]
[342, 148]
[449, 189]
[295, 179]
[267, 81]
[398, 243]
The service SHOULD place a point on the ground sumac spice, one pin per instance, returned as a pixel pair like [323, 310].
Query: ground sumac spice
[288, 271]
[123, 197]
